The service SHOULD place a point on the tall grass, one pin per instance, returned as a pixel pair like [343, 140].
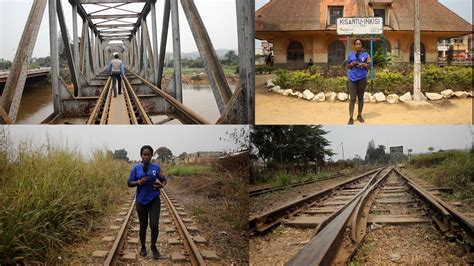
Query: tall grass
[51, 197]
[187, 170]
[447, 168]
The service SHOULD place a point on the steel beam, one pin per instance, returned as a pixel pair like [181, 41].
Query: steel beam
[164, 38]
[14, 86]
[76, 44]
[107, 1]
[144, 64]
[114, 16]
[148, 47]
[176, 50]
[82, 48]
[100, 26]
[53, 42]
[67, 47]
[215, 72]
[246, 40]
[155, 43]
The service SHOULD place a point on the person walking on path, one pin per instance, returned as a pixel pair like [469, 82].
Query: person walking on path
[117, 71]
[359, 63]
[148, 178]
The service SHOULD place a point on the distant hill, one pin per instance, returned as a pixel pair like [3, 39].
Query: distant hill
[193, 55]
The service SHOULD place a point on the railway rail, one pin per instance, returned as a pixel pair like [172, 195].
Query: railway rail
[102, 113]
[187, 246]
[265, 190]
[313, 209]
[390, 198]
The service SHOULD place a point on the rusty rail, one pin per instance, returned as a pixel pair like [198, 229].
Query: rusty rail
[322, 249]
[191, 247]
[325, 248]
[114, 252]
[257, 192]
[271, 218]
[94, 117]
[132, 100]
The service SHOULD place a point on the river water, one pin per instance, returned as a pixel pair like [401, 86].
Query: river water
[37, 103]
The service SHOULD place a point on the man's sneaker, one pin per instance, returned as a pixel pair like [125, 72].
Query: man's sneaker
[143, 252]
[351, 121]
[156, 253]
[359, 117]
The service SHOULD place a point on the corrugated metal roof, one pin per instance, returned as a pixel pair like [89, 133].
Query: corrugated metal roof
[303, 15]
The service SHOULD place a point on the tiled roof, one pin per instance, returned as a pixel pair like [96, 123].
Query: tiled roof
[303, 15]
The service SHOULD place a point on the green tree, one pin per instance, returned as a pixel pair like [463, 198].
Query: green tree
[280, 146]
[120, 155]
[164, 154]
[376, 155]
[230, 58]
[5, 64]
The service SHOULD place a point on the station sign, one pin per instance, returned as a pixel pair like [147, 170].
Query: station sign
[360, 26]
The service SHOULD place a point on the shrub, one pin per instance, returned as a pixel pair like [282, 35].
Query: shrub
[396, 79]
[53, 197]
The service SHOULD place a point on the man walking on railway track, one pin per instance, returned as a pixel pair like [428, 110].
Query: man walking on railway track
[149, 179]
[117, 71]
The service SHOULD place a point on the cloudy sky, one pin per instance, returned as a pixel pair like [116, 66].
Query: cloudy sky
[213, 138]
[355, 139]
[219, 17]
[131, 138]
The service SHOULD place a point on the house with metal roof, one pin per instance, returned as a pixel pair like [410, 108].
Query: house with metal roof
[301, 30]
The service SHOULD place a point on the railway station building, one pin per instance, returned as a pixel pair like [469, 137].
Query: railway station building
[301, 30]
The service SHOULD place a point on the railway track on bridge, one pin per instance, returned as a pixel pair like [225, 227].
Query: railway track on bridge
[183, 245]
[135, 113]
[340, 218]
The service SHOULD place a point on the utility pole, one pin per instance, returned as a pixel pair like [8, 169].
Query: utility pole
[417, 96]
[342, 146]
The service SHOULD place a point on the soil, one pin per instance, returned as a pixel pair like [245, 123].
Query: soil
[273, 108]
[279, 246]
[409, 245]
[209, 209]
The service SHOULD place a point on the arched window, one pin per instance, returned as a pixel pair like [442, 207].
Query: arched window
[295, 55]
[336, 54]
[422, 50]
[295, 51]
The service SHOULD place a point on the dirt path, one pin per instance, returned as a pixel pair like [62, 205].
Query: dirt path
[273, 108]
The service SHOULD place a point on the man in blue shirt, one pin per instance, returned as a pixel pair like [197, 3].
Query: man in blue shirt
[358, 63]
[117, 71]
[148, 178]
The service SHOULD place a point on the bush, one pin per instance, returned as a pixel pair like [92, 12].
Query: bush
[263, 69]
[51, 198]
[447, 168]
[396, 79]
[187, 170]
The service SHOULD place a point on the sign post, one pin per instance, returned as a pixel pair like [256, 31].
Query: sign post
[361, 26]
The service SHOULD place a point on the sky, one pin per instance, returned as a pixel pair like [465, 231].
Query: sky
[87, 139]
[218, 16]
[355, 139]
[190, 138]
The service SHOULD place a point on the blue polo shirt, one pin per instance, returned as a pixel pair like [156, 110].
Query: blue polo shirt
[145, 193]
[358, 73]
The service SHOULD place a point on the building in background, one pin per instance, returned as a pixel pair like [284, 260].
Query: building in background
[301, 30]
